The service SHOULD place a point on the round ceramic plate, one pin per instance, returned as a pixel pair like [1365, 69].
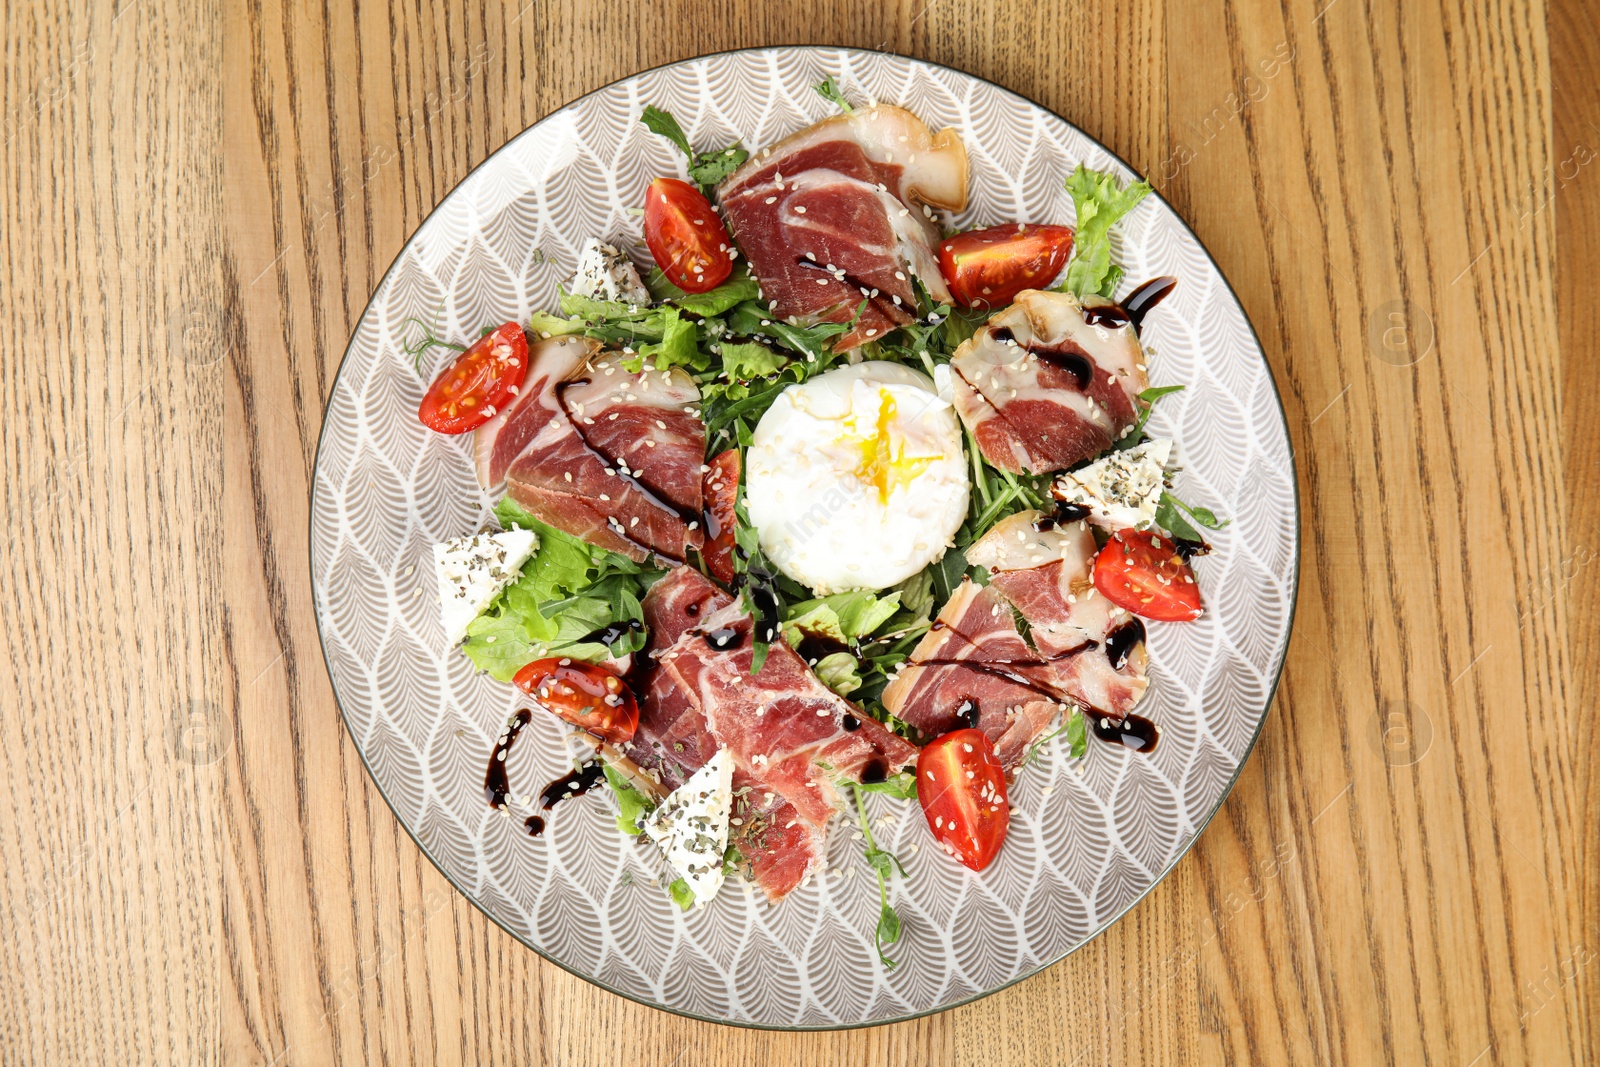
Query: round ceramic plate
[1082, 849]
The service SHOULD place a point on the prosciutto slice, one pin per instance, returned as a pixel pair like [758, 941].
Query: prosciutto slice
[1049, 382]
[833, 215]
[1096, 650]
[973, 668]
[790, 736]
[600, 452]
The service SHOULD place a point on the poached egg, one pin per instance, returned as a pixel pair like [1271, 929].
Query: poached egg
[856, 479]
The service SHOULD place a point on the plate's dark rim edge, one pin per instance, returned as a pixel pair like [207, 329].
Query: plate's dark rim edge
[1283, 651]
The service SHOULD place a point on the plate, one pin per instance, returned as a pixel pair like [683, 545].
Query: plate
[1083, 848]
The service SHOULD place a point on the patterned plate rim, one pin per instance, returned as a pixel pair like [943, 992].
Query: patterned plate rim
[1271, 691]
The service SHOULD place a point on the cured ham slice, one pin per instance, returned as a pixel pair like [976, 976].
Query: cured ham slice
[781, 724]
[1046, 570]
[702, 697]
[973, 668]
[1050, 381]
[600, 452]
[833, 215]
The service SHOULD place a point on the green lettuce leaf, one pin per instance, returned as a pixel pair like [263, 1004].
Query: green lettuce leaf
[632, 805]
[1099, 204]
[838, 672]
[543, 324]
[682, 895]
[738, 288]
[750, 359]
[498, 644]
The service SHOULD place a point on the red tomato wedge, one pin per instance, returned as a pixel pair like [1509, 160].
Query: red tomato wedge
[480, 381]
[583, 694]
[962, 788]
[721, 494]
[987, 268]
[690, 244]
[1140, 570]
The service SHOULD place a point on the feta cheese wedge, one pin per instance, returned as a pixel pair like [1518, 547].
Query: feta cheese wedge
[1122, 489]
[604, 273]
[472, 571]
[691, 826]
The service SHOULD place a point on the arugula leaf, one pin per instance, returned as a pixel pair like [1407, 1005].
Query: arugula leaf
[838, 672]
[834, 95]
[1078, 734]
[1156, 392]
[705, 168]
[709, 168]
[902, 785]
[632, 805]
[662, 123]
[1171, 517]
[1099, 205]
[750, 359]
[682, 895]
[814, 342]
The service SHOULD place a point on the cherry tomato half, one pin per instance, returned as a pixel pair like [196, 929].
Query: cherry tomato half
[1142, 571]
[480, 381]
[989, 267]
[721, 494]
[962, 788]
[584, 695]
[690, 244]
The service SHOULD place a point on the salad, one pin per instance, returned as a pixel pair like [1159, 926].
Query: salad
[829, 500]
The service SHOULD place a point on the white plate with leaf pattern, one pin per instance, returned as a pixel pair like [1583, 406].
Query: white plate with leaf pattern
[1082, 849]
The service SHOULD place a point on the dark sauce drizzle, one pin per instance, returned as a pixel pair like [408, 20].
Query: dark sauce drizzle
[1189, 549]
[575, 783]
[723, 639]
[496, 783]
[1068, 357]
[1131, 731]
[1066, 514]
[534, 825]
[1121, 641]
[610, 635]
[968, 713]
[1145, 297]
[850, 723]
[652, 495]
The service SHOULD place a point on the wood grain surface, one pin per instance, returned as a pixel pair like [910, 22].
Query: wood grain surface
[196, 199]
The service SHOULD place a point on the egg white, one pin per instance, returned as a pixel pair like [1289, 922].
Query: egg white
[856, 479]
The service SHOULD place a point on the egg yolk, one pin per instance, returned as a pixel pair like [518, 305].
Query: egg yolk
[884, 463]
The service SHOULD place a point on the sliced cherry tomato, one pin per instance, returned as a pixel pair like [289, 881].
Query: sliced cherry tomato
[721, 494]
[690, 244]
[584, 695]
[987, 268]
[962, 788]
[480, 381]
[1142, 571]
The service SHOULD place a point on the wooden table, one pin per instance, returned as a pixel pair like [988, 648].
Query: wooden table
[195, 202]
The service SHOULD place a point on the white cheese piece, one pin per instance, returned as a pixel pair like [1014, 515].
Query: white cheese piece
[472, 571]
[691, 826]
[1121, 489]
[604, 273]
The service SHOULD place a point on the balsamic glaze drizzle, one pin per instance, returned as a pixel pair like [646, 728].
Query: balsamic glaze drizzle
[1145, 297]
[1121, 641]
[496, 783]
